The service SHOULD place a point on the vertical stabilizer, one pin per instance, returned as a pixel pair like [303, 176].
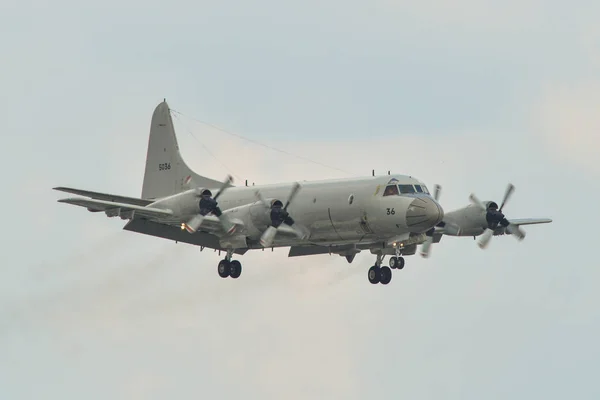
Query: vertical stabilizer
[166, 173]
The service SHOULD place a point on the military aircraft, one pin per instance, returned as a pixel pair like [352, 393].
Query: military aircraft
[386, 215]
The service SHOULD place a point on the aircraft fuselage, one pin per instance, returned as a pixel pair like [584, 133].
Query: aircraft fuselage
[334, 211]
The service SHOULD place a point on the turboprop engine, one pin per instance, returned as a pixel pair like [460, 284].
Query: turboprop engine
[263, 219]
[200, 201]
[254, 216]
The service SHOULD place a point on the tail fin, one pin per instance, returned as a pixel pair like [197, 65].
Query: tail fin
[166, 173]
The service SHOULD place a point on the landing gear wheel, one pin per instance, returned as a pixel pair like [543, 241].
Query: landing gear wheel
[235, 269]
[224, 268]
[374, 274]
[393, 262]
[385, 275]
[400, 263]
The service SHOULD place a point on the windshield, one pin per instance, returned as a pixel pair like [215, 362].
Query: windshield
[407, 189]
[396, 190]
[391, 190]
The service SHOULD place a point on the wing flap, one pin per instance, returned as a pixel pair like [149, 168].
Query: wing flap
[105, 196]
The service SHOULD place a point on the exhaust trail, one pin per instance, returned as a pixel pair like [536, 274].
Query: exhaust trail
[82, 257]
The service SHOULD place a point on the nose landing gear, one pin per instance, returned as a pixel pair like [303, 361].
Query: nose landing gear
[383, 275]
[397, 262]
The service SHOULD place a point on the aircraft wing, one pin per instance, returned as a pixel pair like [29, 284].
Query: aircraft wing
[113, 208]
[520, 222]
[104, 196]
[210, 224]
[530, 221]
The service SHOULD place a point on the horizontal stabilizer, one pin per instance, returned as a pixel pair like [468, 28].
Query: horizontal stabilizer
[105, 196]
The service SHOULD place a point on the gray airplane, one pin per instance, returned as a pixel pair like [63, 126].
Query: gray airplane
[386, 215]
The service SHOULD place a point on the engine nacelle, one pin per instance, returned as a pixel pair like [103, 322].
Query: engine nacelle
[256, 218]
[183, 204]
[466, 221]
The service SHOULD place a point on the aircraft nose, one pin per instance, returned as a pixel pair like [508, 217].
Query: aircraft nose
[423, 213]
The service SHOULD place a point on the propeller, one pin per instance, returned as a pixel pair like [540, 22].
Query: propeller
[426, 247]
[495, 217]
[209, 205]
[279, 216]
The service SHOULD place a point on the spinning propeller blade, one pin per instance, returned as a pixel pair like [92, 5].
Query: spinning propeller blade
[426, 247]
[225, 186]
[293, 194]
[509, 191]
[515, 231]
[209, 205]
[495, 217]
[477, 202]
[279, 216]
[485, 238]
[436, 192]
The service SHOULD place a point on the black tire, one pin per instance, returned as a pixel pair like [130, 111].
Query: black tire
[235, 269]
[400, 263]
[385, 275]
[374, 274]
[393, 262]
[224, 268]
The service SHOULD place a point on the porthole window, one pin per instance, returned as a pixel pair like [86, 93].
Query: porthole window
[351, 199]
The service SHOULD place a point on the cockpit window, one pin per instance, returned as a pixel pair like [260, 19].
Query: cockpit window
[407, 189]
[425, 190]
[391, 190]
[418, 187]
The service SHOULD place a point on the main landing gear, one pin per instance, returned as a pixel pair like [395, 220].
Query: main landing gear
[383, 275]
[227, 267]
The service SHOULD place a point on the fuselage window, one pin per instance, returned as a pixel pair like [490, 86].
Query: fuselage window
[407, 189]
[391, 190]
[418, 187]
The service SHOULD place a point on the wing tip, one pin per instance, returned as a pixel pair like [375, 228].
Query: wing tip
[69, 200]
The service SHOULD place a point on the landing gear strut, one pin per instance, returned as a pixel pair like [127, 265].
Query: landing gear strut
[379, 274]
[227, 267]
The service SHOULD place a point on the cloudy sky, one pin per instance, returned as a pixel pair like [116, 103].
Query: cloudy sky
[468, 94]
